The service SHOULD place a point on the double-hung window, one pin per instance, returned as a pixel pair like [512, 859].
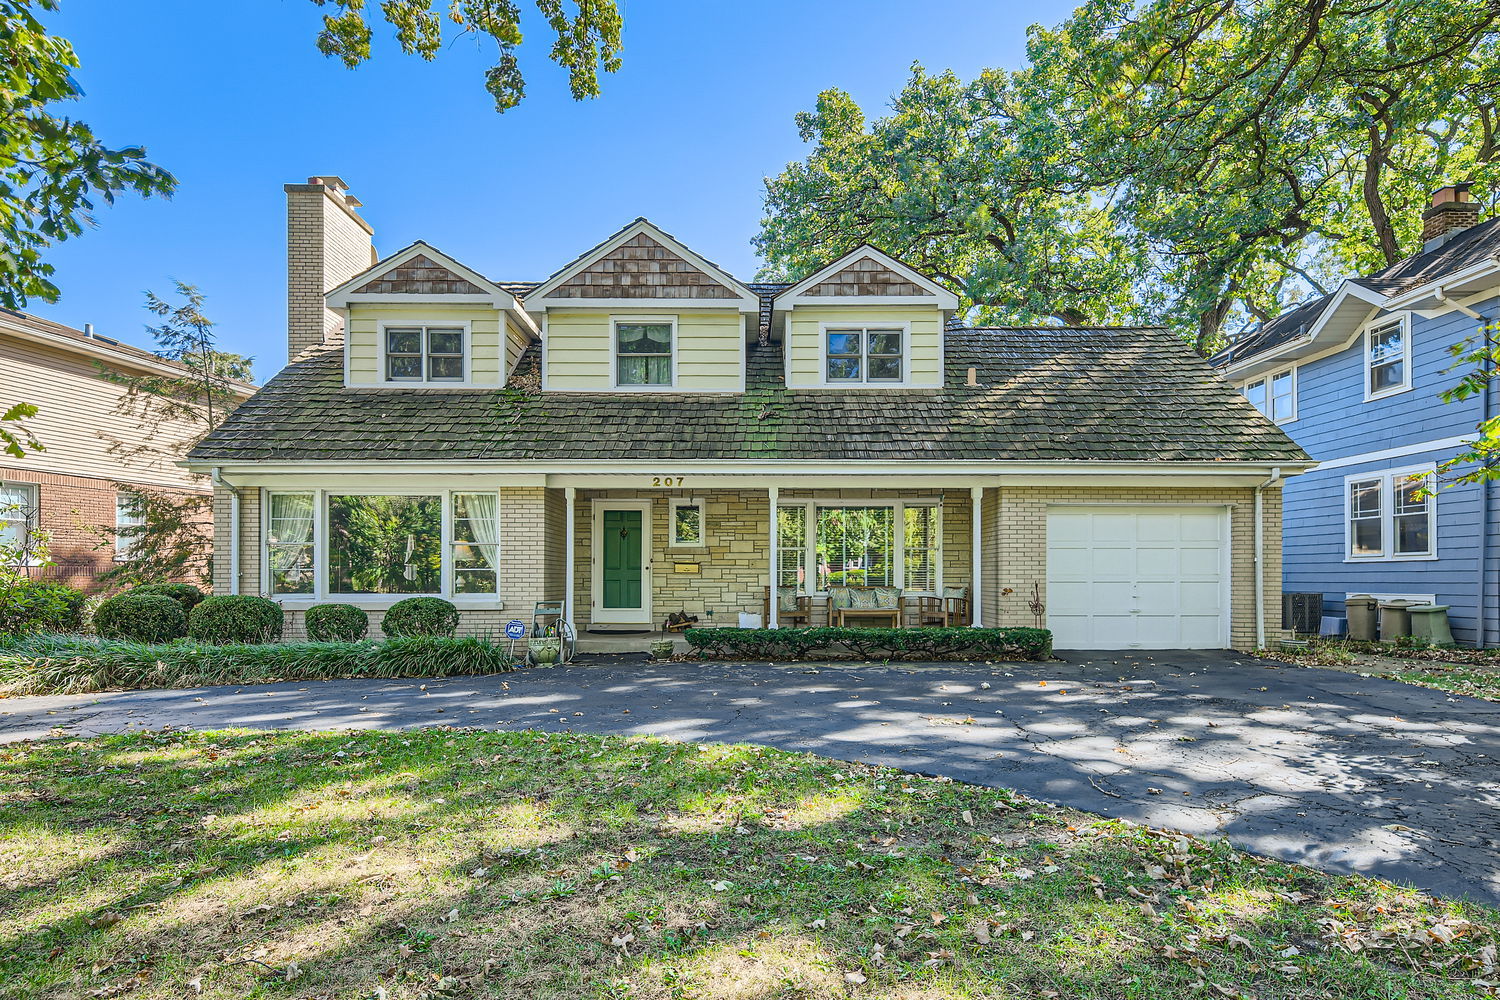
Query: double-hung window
[130, 524]
[1275, 395]
[1391, 515]
[643, 352]
[424, 353]
[864, 354]
[290, 553]
[1387, 358]
[18, 521]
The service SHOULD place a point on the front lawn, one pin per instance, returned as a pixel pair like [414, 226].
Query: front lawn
[445, 863]
[1471, 672]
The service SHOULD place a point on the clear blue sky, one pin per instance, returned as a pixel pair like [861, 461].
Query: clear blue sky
[233, 97]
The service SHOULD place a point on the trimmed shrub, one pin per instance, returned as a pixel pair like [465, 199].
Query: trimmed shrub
[336, 623]
[236, 618]
[28, 606]
[185, 594]
[420, 616]
[873, 643]
[141, 618]
[56, 664]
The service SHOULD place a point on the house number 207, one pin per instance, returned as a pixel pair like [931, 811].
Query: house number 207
[666, 480]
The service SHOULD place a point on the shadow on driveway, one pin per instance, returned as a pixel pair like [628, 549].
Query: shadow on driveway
[1329, 769]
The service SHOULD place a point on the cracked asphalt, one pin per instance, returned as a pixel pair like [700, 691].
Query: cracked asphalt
[1330, 769]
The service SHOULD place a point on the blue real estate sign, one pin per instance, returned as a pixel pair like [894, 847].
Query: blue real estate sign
[515, 629]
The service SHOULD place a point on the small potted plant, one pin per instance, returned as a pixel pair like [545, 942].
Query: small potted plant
[662, 649]
[543, 650]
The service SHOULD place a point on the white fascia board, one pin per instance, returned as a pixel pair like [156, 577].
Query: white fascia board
[538, 308]
[794, 295]
[539, 294]
[1448, 282]
[1350, 299]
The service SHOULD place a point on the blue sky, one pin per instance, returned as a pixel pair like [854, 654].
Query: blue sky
[233, 97]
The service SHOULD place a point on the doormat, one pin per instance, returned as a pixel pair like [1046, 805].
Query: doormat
[618, 631]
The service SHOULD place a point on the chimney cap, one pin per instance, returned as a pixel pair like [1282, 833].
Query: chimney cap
[1451, 193]
[329, 181]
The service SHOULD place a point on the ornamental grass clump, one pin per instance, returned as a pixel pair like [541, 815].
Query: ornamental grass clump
[141, 618]
[336, 623]
[236, 618]
[420, 616]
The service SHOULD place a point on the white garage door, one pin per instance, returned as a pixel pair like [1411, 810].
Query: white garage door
[1138, 577]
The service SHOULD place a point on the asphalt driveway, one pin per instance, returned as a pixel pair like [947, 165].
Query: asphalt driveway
[1326, 768]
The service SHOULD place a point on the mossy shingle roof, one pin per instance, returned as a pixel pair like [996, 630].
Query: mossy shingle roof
[1043, 394]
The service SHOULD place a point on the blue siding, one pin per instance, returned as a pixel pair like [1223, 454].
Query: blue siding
[1334, 422]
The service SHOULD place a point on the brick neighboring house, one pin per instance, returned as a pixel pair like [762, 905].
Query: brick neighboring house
[643, 433]
[95, 442]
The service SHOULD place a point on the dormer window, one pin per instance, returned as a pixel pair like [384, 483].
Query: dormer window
[863, 354]
[643, 351]
[424, 354]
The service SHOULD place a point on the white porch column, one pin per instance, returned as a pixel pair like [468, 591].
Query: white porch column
[570, 502]
[976, 595]
[772, 609]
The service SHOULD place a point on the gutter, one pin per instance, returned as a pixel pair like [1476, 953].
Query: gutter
[234, 528]
[1260, 556]
[1442, 297]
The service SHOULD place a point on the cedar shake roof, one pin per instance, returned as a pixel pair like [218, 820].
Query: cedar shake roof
[1475, 245]
[1044, 394]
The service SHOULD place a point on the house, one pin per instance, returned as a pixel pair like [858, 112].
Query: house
[98, 442]
[1354, 377]
[624, 435]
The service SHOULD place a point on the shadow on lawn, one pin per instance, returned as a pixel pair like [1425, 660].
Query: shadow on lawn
[716, 862]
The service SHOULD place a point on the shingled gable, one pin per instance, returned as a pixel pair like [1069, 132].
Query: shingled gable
[642, 262]
[422, 272]
[867, 274]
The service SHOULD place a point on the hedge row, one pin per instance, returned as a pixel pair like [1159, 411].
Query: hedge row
[54, 664]
[872, 643]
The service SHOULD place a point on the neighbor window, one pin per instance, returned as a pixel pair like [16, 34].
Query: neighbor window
[424, 354]
[476, 543]
[863, 354]
[1387, 359]
[687, 523]
[1391, 515]
[18, 519]
[130, 520]
[289, 543]
[385, 544]
[643, 352]
[1275, 396]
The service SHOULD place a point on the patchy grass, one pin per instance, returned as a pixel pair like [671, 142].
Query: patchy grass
[445, 863]
[1471, 672]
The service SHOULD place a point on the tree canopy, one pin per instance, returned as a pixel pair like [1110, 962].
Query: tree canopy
[1201, 163]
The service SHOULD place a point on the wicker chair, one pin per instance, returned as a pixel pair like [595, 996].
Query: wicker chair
[793, 608]
[861, 604]
[952, 608]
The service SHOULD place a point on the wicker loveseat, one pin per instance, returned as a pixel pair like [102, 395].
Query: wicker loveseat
[864, 605]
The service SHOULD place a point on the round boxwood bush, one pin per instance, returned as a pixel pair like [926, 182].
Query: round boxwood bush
[336, 623]
[420, 616]
[141, 617]
[185, 594]
[236, 618]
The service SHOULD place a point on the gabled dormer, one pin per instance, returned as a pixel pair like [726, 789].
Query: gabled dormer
[420, 319]
[866, 321]
[641, 312]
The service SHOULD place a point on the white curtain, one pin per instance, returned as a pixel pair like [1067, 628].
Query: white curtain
[484, 509]
[291, 528]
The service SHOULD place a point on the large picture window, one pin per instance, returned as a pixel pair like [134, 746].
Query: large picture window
[643, 352]
[424, 354]
[385, 544]
[856, 547]
[1391, 515]
[896, 544]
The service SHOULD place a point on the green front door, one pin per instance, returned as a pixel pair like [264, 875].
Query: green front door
[622, 559]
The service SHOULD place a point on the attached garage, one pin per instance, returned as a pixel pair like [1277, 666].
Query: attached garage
[1138, 577]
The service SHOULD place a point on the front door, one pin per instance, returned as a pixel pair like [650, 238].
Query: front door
[622, 545]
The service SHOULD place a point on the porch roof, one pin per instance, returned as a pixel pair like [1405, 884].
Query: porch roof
[1044, 394]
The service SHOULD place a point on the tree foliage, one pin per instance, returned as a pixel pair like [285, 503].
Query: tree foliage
[1197, 162]
[586, 37]
[18, 439]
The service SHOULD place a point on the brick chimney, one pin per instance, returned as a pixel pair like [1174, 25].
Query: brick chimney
[1452, 210]
[327, 243]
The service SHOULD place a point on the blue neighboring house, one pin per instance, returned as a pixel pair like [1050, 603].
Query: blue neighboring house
[1354, 377]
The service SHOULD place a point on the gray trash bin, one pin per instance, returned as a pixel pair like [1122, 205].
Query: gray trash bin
[1361, 611]
[1430, 623]
[1395, 620]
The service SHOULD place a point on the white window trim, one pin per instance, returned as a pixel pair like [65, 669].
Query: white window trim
[810, 542]
[321, 593]
[32, 523]
[1267, 379]
[1404, 319]
[1388, 479]
[614, 352]
[124, 548]
[863, 325]
[424, 383]
[672, 506]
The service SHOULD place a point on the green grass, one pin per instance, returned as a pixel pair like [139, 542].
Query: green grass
[1471, 672]
[445, 863]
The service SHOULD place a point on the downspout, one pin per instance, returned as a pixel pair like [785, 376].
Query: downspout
[234, 528]
[1260, 558]
[1481, 621]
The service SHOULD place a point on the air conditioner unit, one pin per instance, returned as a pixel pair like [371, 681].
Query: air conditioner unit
[1302, 613]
